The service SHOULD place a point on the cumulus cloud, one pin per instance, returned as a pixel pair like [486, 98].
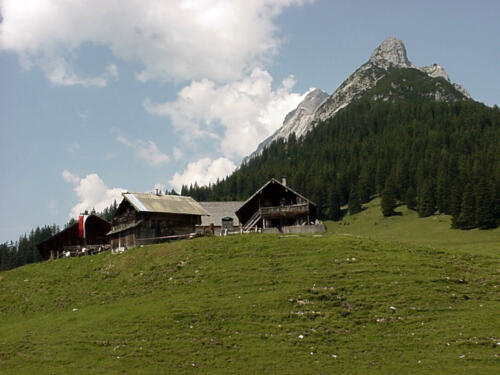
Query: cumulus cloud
[70, 177]
[175, 39]
[145, 150]
[203, 172]
[249, 110]
[92, 193]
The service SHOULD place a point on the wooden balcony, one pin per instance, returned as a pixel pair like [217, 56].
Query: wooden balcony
[285, 211]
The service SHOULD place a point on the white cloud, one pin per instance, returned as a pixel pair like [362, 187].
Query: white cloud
[61, 73]
[249, 110]
[174, 39]
[91, 192]
[203, 172]
[145, 150]
[70, 177]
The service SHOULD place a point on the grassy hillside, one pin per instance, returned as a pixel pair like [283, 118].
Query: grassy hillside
[434, 231]
[255, 304]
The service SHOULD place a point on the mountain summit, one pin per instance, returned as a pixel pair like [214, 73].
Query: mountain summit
[317, 106]
[391, 52]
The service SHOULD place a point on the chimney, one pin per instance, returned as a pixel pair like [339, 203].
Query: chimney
[283, 180]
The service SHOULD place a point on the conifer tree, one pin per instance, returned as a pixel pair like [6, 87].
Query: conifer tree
[443, 192]
[334, 205]
[426, 205]
[354, 203]
[388, 202]
[467, 217]
[411, 198]
[485, 210]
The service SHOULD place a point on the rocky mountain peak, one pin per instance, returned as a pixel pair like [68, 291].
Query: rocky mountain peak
[391, 51]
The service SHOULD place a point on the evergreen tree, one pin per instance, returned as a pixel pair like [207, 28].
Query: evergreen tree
[411, 198]
[354, 203]
[335, 212]
[426, 205]
[485, 210]
[388, 202]
[467, 217]
[456, 199]
[443, 191]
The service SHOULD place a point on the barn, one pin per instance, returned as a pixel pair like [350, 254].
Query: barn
[146, 218]
[275, 207]
[88, 233]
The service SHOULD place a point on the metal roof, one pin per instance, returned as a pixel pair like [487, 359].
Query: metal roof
[175, 204]
[218, 210]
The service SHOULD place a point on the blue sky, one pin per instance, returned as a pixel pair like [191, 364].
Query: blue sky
[102, 97]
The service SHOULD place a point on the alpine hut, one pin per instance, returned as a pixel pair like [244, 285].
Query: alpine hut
[145, 218]
[275, 207]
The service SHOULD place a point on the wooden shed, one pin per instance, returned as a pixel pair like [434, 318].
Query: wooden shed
[74, 240]
[276, 206]
[146, 218]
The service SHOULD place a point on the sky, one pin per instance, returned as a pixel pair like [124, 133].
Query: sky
[102, 97]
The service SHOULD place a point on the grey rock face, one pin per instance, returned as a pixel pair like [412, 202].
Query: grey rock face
[463, 90]
[296, 121]
[435, 71]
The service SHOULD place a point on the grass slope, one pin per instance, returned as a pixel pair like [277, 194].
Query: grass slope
[254, 304]
[434, 231]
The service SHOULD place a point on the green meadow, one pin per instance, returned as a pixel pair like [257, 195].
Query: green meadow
[434, 231]
[260, 304]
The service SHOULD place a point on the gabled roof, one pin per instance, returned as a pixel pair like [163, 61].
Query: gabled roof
[175, 204]
[275, 181]
[61, 233]
[218, 210]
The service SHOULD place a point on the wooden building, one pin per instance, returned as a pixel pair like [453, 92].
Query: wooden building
[72, 240]
[275, 207]
[220, 212]
[145, 218]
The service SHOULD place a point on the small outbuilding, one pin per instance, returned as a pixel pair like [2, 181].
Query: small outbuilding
[146, 218]
[86, 236]
[275, 207]
[222, 217]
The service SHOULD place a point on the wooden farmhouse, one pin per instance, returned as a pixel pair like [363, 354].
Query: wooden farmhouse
[145, 218]
[275, 207]
[86, 236]
[222, 217]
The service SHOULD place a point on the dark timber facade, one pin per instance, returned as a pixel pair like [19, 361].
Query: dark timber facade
[68, 240]
[145, 218]
[277, 206]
